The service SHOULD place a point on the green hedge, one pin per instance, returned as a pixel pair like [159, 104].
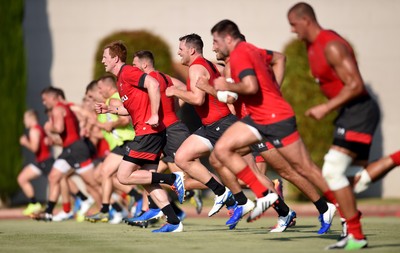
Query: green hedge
[12, 94]
[302, 92]
[135, 41]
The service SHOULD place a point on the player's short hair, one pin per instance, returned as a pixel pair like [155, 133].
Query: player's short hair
[193, 40]
[32, 113]
[227, 27]
[54, 91]
[145, 54]
[117, 48]
[302, 9]
[109, 80]
[91, 86]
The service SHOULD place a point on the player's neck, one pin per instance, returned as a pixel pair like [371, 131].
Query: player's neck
[314, 32]
[117, 68]
[148, 70]
[194, 57]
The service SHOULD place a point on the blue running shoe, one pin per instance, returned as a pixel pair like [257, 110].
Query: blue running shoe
[169, 228]
[138, 206]
[179, 186]
[326, 219]
[77, 204]
[181, 215]
[151, 214]
[238, 213]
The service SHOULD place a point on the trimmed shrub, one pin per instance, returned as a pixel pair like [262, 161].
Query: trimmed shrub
[12, 92]
[302, 92]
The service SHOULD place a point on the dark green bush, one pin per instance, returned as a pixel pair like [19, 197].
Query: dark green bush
[12, 94]
[302, 92]
[135, 41]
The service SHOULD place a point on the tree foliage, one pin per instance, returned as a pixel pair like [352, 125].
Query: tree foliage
[12, 92]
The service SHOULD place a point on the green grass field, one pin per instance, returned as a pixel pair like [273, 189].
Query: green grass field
[201, 235]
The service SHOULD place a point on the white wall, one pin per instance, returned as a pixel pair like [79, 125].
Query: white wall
[76, 26]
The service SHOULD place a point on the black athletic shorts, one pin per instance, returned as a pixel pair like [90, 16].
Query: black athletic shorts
[176, 135]
[45, 166]
[215, 130]
[279, 134]
[146, 149]
[77, 155]
[121, 150]
[355, 126]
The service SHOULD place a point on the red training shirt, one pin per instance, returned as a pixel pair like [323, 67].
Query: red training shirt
[43, 153]
[167, 114]
[136, 100]
[211, 110]
[324, 74]
[267, 106]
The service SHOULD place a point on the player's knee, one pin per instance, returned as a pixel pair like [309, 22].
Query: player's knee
[180, 159]
[121, 177]
[220, 151]
[334, 169]
[54, 178]
[21, 179]
[214, 162]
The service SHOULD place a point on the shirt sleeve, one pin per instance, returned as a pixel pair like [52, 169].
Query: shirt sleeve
[242, 64]
[134, 77]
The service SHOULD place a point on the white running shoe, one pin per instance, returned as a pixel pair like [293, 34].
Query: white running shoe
[62, 216]
[219, 202]
[262, 204]
[284, 222]
[117, 218]
[85, 205]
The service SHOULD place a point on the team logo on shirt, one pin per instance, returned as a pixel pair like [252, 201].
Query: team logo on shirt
[124, 98]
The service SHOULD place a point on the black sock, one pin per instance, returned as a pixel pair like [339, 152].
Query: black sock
[105, 208]
[152, 204]
[321, 205]
[216, 187]
[280, 207]
[32, 200]
[50, 207]
[81, 195]
[230, 201]
[135, 194]
[177, 210]
[117, 207]
[171, 215]
[240, 198]
[158, 178]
